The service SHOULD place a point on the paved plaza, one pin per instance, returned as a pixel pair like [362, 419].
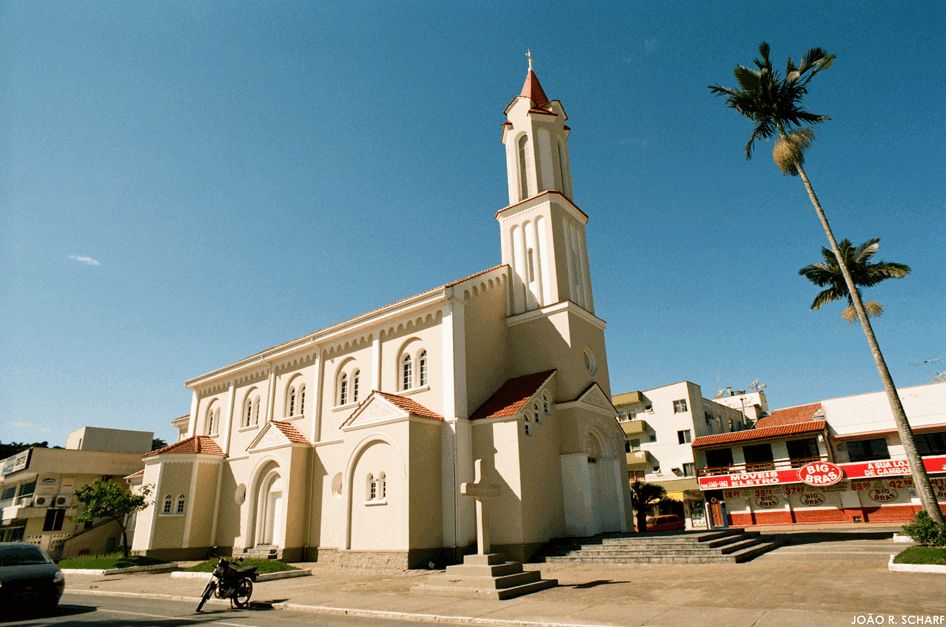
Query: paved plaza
[817, 578]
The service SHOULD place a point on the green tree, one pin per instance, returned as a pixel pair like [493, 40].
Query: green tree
[866, 273]
[774, 104]
[643, 496]
[109, 499]
[157, 443]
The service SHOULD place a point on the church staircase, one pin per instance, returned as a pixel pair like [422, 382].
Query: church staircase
[261, 552]
[689, 547]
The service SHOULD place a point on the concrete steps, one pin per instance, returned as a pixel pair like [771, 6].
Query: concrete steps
[722, 546]
[261, 552]
[485, 576]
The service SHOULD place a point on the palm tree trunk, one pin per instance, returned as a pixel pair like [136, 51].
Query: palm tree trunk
[921, 479]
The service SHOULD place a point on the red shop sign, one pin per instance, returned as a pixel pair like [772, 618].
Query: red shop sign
[820, 474]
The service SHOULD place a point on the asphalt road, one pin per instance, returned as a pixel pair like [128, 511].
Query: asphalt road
[107, 610]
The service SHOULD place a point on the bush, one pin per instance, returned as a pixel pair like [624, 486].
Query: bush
[924, 531]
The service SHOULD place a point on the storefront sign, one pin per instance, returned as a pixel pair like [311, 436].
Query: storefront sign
[16, 463]
[857, 470]
[820, 474]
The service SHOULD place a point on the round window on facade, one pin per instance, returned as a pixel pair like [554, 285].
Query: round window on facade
[590, 364]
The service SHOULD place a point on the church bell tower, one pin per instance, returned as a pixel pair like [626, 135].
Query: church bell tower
[542, 230]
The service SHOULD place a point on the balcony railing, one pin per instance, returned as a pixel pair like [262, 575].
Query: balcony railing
[778, 464]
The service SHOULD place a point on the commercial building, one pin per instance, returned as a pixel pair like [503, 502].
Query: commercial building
[37, 503]
[659, 424]
[840, 460]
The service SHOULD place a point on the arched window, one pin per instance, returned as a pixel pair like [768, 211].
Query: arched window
[523, 146]
[167, 504]
[422, 367]
[180, 504]
[256, 411]
[382, 486]
[302, 399]
[248, 412]
[213, 415]
[372, 487]
[291, 405]
[546, 403]
[355, 377]
[535, 411]
[407, 373]
[250, 409]
[343, 389]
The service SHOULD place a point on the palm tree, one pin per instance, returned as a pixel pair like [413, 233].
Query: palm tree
[774, 104]
[643, 495]
[866, 273]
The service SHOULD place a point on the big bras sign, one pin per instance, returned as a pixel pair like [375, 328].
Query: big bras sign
[820, 474]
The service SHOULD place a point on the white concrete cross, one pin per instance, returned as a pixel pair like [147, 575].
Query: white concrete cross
[529, 56]
[480, 489]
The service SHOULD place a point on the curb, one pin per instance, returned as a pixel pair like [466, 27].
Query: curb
[286, 574]
[153, 568]
[342, 611]
[915, 568]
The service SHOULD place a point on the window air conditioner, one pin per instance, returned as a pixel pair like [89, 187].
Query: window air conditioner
[26, 501]
[63, 500]
[42, 501]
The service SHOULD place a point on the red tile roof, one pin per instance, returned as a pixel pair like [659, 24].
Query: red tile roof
[194, 445]
[409, 405]
[766, 433]
[532, 90]
[289, 430]
[791, 415]
[512, 396]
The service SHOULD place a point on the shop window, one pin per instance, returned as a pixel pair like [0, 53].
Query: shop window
[931, 443]
[867, 450]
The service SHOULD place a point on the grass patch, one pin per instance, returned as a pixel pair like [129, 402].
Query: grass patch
[112, 560]
[262, 566]
[922, 555]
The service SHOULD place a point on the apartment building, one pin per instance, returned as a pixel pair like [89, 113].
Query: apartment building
[659, 425]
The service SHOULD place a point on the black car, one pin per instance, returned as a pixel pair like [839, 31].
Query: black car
[29, 580]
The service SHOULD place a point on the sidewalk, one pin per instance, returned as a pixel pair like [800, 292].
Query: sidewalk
[820, 581]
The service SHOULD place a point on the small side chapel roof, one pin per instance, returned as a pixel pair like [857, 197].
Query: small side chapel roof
[194, 445]
[509, 399]
[409, 405]
[289, 430]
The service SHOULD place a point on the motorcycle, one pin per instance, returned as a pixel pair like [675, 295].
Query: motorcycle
[227, 582]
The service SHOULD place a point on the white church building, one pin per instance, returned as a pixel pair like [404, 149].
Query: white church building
[349, 444]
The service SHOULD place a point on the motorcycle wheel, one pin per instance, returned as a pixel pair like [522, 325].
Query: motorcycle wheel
[208, 590]
[243, 592]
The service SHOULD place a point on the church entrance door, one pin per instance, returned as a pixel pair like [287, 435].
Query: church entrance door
[270, 511]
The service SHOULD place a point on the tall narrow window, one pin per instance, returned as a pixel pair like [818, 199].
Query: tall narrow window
[372, 488]
[343, 389]
[167, 504]
[180, 504]
[523, 167]
[354, 385]
[256, 411]
[292, 402]
[422, 367]
[248, 414]
[382, 486]
[407, 373]
[302, 398]
[535, 411]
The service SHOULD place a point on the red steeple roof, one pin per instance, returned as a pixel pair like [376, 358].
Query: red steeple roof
[533, 90]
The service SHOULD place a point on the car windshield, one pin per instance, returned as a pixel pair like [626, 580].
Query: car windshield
[21, 555]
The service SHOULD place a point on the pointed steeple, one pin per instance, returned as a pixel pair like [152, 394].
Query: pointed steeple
[531, 88]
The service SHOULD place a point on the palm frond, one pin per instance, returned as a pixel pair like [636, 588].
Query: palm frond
[827, 296]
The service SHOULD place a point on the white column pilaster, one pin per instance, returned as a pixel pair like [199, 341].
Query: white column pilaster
[271, 393]
[376, 362]
[316, 432]
[192, 421]
[228, 434]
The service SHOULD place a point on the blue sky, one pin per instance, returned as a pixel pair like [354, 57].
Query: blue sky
[183, 184]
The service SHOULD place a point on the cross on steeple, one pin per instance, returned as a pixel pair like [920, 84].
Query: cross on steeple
[529, 57]
[480, 489]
